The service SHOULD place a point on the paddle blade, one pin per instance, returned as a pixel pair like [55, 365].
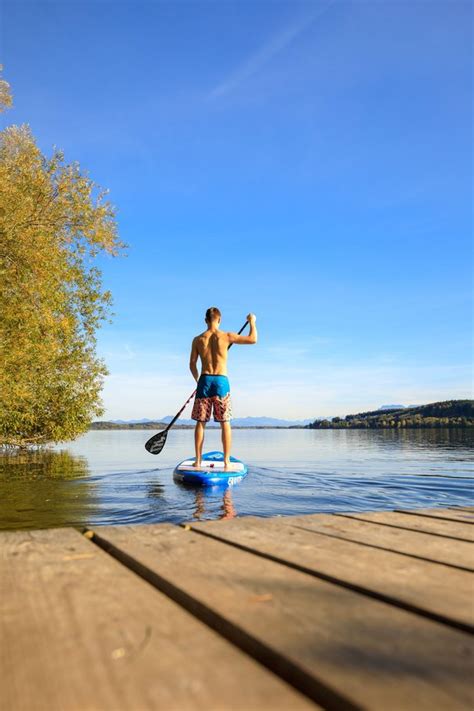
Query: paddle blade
[156, 443]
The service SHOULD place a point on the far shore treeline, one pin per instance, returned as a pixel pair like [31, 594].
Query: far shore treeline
[450, 413]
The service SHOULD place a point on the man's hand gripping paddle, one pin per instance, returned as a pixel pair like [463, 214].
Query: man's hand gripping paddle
[156, 443]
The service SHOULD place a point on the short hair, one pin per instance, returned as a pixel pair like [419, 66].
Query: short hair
[212, 313]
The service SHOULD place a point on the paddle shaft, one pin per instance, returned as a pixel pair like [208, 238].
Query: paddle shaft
[176, 417]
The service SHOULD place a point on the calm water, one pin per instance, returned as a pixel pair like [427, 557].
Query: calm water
[108, 477]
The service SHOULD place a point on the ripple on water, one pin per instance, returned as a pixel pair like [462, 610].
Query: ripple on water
[108, 477]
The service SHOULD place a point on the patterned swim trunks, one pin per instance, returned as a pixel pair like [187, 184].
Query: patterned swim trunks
[213, 394]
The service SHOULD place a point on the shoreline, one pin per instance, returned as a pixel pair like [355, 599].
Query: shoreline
[162, 426]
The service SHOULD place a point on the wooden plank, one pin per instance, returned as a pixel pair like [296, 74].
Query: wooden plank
[418, 544]
[426, 587]
[344, 649]
[444, 514]
[80, 631]
[435, 527]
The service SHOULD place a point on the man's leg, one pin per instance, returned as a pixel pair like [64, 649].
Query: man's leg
[198, 441]
[226, 432]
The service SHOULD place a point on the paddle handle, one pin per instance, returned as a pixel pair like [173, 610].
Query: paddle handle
[176, 417]
[231, 344]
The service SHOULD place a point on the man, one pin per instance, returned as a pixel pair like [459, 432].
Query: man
[213, 392]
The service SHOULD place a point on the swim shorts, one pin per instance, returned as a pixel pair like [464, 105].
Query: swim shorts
[212, 395]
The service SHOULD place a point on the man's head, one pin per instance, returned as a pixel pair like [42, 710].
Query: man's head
[213, 316]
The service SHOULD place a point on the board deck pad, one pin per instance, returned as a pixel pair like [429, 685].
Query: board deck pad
[210, 466]
[212, 470]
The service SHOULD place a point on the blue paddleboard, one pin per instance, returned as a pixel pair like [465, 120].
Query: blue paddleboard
[211, 471]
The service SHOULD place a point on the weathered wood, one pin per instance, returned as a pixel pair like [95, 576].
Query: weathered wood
[81, 632]
[418, 544]
[444, 514]
[435, 527]
[414, 584]
[345, 649]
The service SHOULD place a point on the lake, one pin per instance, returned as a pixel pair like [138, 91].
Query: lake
[107, 477]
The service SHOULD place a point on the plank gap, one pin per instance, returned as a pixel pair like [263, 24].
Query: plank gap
[467, 509]
[271, 659]
[436, 517]
[383, 548]
[381, 597]
[403, 528]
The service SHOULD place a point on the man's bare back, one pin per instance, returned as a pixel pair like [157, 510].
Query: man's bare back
[212, 346]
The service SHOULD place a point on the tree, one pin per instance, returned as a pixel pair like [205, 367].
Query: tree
[53, 222]
[5, 93]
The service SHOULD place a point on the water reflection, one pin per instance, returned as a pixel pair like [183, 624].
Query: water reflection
[45, 488]
[403, 438]
[107, 477]
[156, 490]
[43, 463]
[201, 511]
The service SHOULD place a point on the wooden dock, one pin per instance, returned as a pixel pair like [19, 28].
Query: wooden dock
[348, 611]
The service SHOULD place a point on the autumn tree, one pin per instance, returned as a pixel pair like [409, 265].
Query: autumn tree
[54, 221]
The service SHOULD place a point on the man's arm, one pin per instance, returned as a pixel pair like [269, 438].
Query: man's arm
[193, 360]
[244, 340]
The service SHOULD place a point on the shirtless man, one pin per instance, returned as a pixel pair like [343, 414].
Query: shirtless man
[213, 392]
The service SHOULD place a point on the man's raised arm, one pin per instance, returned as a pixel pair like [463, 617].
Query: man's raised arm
[251, 338]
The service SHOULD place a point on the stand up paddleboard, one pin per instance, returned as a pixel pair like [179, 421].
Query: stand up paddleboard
[211, 471]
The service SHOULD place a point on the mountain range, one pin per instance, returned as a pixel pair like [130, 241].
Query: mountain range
[236, 422]
[249, 421]
[246, 421]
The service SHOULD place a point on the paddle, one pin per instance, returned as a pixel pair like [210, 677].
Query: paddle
[156, 443]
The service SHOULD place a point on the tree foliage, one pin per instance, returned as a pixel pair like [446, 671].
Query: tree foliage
[5, 94]
[449, 413]
[53, 222]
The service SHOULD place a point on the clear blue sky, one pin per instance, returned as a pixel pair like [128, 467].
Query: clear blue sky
[308, 161]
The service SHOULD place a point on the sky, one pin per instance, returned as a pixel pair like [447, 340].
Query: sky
[310, 162]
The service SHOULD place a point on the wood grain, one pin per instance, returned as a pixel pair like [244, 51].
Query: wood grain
[80, 632]
[444, 514]
[462, 508]
[427, 587]
[435, 527]
[419, 544]
[344, 648]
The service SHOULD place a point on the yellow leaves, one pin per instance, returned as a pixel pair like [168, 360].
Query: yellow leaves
[51, 298]
[5, 93]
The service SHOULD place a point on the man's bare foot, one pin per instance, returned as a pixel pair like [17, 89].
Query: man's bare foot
[196, 464]
[227, 464]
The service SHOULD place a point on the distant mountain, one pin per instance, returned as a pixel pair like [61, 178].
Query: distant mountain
[236, 422]
[121, 425]
[132, 422]
[248, 422]
[268, 422]
[181, 421]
